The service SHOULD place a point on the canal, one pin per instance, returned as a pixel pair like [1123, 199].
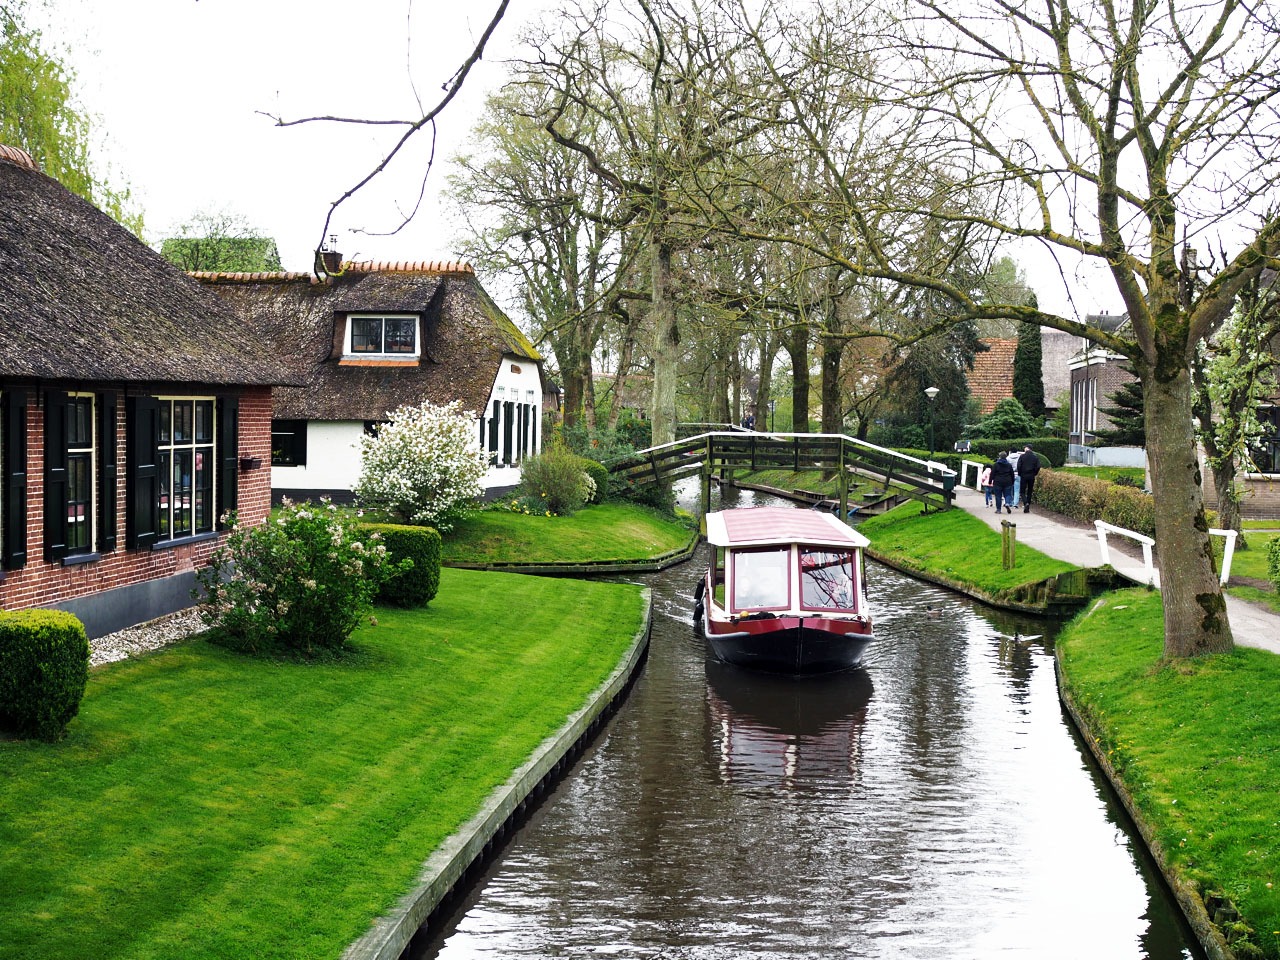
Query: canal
[935, 804]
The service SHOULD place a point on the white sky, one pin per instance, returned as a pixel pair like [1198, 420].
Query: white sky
[176, 88]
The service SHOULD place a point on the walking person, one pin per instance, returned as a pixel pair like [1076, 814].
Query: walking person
[1017, 480]
[1002, 477]
[984, 481]
[1028, 467]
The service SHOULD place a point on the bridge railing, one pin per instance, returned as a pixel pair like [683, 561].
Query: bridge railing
[747, 450]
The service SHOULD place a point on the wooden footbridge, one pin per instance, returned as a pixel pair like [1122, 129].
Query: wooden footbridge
[722, 452]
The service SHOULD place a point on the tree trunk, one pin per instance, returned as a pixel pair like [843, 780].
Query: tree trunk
[666, 344]
[1195, 613]
[764, 386]
[832, 405]
[798, 348]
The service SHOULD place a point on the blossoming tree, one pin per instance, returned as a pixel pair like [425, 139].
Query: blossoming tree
[422, 466]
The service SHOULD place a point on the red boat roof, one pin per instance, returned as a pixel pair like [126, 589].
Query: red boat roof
[757, 526]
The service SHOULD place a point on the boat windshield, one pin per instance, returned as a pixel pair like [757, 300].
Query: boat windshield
[760, 580]
[827, 579]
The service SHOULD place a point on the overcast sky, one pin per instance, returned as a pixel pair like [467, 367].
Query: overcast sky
[179, 89]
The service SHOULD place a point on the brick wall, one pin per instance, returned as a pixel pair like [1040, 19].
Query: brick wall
[40, 583]
[1260, 497]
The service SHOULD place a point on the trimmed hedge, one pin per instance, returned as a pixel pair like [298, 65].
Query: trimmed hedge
[599, 473]
[1052, 451]
[417, 586]
[44, 667]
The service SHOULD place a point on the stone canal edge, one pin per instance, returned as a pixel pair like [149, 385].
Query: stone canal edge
[1207, 932]
[447, 867]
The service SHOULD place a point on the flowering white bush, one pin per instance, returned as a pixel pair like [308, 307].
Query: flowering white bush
[302, 580]
[422, 466]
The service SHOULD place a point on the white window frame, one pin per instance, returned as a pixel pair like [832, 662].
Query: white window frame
[211, 447]
[415, 354]
[92, 451]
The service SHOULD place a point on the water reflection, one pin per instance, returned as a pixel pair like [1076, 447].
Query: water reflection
[781, 731]
[933, 804]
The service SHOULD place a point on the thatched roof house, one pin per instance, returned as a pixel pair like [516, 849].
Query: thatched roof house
[82, 298]
[134, 412]
[464, 336]
[373, 337]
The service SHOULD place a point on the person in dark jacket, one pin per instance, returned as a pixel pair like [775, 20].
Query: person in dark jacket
[1002, 476]
[1028, 467]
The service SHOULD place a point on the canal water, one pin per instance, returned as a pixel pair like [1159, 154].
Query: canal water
[935, 804]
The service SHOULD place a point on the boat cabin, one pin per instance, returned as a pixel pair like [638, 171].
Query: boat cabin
[784, 591]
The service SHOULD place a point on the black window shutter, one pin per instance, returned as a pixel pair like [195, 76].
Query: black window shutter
[13, 463]
[107, 471]
[228, 454]
[142, 471]
[55, 475]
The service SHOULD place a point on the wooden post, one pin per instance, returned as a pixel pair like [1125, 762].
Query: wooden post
[1008, 543]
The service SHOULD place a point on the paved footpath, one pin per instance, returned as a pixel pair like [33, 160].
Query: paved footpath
[1053, 536]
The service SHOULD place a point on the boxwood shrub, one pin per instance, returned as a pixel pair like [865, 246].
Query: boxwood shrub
[44, 667]
[417, 586]
[599, 473]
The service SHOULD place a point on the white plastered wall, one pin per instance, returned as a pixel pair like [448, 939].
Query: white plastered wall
[333, 458]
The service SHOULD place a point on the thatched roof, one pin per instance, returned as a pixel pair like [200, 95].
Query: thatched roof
[83, 299]
[465, 335]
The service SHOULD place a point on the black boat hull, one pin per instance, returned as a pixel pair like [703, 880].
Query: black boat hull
[790, 645]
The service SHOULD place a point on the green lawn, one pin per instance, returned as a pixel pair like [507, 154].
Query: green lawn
[955, 545]
[1197, 743]
[1136, 474]
[206, 805]
[1252, 563]
[605, 531]
[814, 481]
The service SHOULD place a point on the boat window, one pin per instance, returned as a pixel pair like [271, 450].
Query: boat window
[760, 580]
[717, 577]
[827, 579]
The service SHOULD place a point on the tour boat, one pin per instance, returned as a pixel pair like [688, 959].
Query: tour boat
[784, 591]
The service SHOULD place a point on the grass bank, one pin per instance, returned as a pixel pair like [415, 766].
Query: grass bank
[954, 546]
[1251, 565]
[814, 481]
[209, 805]
[1197, 746]
[602, 532]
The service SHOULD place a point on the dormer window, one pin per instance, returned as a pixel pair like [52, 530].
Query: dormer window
[393, 337]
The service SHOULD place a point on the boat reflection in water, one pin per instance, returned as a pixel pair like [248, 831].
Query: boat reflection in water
[774, 730]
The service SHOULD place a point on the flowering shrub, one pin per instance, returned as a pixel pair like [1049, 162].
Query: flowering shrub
[422, 467]
[555, 482]
[303, 580]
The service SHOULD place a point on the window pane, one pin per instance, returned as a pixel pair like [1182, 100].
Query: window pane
[366, 335]
[400, 338]
[166, 485]
[183, 421]
[80, 422]
[203, 491]
[760, 579]
[166, 420]
[79, 492]
[181, 492]
[826, 580]
[204, 421]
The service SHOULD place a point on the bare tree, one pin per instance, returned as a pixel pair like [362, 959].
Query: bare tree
[1122, 134]
[411, 127]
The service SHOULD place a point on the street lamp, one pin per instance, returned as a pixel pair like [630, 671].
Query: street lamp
[931, 393]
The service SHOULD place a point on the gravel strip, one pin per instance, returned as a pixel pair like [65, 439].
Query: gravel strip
[144, 637]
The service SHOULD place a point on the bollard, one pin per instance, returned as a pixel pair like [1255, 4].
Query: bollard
[1008, 543]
